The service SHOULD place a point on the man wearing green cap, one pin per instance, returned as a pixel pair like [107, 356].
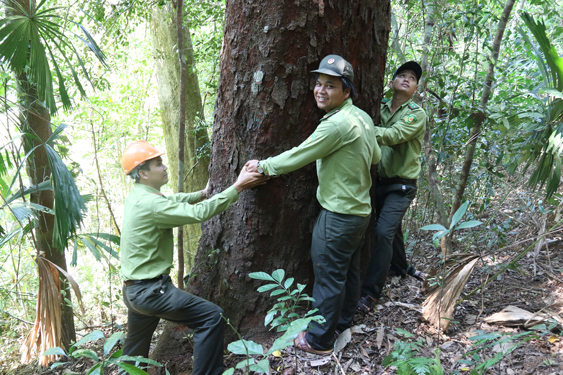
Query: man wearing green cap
[344, 147]
[400, 135]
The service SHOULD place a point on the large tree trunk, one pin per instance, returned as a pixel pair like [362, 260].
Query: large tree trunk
[167, 70]
[265, 106]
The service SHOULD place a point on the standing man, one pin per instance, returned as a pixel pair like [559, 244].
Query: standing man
[147, 254]
[400, 136]
[344, 147]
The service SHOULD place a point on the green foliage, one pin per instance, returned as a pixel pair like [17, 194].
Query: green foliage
[288, 321]
[505, 342]
[283, 313]
[404, 358]
[543, 144]
[108, 360]
[30, 38]
[441, 231]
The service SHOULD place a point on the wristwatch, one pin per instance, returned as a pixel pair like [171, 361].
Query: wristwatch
[259, 168]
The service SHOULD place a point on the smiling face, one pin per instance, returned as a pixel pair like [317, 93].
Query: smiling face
[329, 93]
[405, 82]
[156, 176]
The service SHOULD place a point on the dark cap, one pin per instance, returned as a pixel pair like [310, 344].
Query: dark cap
[335, 65]
[410, 65]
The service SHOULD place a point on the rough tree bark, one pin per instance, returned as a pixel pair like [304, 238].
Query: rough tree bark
[167, 71]
[265, 106]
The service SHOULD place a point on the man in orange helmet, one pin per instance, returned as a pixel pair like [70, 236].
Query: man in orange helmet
[147, 255]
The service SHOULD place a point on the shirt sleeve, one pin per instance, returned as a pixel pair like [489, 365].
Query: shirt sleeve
[403, 130]
[376, 157]
[324, 140]
[191, 198]
[171, 214]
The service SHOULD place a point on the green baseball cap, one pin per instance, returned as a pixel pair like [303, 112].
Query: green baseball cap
[335, 65]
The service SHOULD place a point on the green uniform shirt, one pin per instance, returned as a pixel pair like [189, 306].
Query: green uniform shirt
[147, 241]
[400, 135]
[344, 147]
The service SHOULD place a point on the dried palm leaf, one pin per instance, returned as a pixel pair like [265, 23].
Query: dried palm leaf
[46, 331]
[439, 307]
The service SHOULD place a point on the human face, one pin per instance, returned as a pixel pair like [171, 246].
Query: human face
[156, 176]
[328, 92]
[405, 82]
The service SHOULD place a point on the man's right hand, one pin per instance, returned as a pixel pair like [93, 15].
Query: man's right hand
[247, 180]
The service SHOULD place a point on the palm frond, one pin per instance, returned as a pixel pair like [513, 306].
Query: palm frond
[45, 185]
[30, 37]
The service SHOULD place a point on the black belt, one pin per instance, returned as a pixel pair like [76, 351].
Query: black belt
[396, 180]
[134, 282]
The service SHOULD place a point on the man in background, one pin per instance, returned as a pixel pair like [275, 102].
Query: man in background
[400, 136]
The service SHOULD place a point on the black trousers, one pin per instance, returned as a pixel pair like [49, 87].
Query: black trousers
[392, 202]
[335, 252]
[148, 302]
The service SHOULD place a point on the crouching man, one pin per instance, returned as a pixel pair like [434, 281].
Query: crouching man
[147, 255]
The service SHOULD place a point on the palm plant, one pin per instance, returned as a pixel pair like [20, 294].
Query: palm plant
[543, 145]
[32, 38]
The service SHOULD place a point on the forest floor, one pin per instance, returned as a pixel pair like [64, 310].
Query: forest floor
[396, 326]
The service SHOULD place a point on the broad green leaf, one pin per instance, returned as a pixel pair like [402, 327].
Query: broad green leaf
[261, 276]
[269, 317]
[262, 367]
[92, 336]
[278, 275]
[139, 359]
[459, 214]
[245, 363]
[469, 224]
[265, 288]
[288, 283]
[131, 369]
[277, 292]
[433, 227]
[110, 343]
[241, 346]
[54, 351]
[95, 370]
[86, 353]
[230, 371]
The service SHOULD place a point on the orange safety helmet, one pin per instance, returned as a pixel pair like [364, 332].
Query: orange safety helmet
[137, 153]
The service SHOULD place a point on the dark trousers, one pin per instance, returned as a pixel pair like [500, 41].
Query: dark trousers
[335, 252]
[148, 302]
[392, 202]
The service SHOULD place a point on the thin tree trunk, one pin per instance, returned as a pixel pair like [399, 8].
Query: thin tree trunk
[480, 116]
[181, 130]
[167, 72]
[101, 180]
[36, 119]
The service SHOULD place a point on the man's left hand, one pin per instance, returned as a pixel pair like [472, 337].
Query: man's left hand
[252, 165]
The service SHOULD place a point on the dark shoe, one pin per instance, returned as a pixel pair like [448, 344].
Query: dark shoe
[419, 275]
[366, 303]
[301, 343]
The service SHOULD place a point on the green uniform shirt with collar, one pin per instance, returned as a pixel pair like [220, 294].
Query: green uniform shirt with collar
[400, 136]
[147, 241]
[344, 146]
